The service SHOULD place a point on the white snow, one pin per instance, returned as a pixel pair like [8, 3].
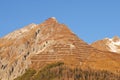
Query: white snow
[113, 45]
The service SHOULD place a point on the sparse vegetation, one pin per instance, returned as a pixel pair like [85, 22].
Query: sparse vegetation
[27, 76]
[59, 71]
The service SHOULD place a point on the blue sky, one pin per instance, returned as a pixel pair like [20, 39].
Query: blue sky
[91, 20]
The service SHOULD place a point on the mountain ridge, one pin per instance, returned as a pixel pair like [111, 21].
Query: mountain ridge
[108, 44]
[50, 42]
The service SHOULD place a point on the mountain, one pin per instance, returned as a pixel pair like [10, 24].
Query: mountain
[112, 45]
[36, 45]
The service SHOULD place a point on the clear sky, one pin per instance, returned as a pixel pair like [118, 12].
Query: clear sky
[91, 20]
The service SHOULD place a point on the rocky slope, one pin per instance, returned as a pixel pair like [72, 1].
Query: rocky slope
[112, 45]
[34, 46]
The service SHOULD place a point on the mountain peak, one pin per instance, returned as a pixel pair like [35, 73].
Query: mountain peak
[53, 17]
[115, 38]
[51, 20]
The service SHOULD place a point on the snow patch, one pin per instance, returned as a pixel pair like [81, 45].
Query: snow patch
[113, 45]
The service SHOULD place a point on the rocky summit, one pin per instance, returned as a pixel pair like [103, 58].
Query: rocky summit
[37, 45]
